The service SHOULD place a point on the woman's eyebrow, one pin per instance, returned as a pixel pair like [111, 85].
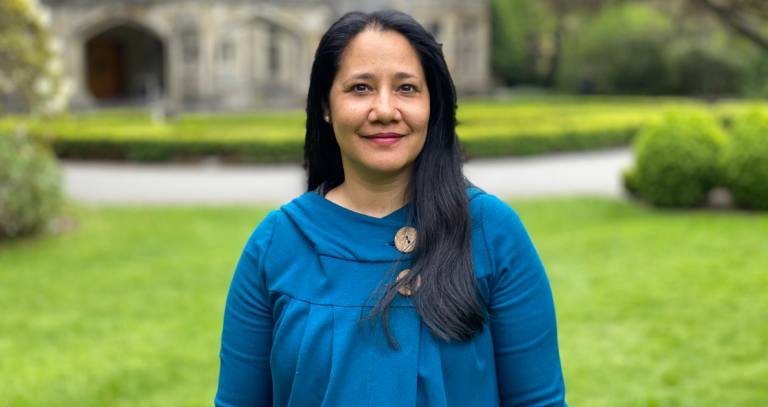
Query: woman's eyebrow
[361, 77]
[368, 77]
[406, 75]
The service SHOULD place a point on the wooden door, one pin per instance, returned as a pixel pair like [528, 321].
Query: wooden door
[105, 69]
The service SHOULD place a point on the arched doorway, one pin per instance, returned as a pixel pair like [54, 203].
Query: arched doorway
[125, 63]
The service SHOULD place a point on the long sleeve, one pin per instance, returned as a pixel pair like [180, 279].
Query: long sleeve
[246, 341]
[523, 324]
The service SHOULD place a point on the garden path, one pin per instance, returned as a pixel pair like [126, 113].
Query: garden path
[564, 174]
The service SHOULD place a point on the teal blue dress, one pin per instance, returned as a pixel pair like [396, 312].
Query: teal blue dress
[293, 336]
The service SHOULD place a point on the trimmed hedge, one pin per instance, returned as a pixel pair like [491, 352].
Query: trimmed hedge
[520, 145]
[745, 161]
[162, 150]
[31, 190]
[486, 129]
[293, 150]
[677, 159]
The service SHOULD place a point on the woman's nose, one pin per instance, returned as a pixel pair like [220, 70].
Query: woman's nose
[383, 109]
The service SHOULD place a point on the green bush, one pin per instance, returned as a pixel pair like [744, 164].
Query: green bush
[745, 161]
[487, 128]
[708, 68]
[677, 159]
[30, 185]
[631, 181]
[166, 150]
[522, 144]
[30, 68]
[292, 150]
[755, 82]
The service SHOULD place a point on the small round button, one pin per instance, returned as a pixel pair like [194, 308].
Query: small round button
[405, 239]
[407, 290]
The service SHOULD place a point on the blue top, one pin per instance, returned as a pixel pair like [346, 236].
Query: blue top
[292, 333]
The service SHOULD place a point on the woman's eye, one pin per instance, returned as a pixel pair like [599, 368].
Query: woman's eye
[408, 88]
[360, 88]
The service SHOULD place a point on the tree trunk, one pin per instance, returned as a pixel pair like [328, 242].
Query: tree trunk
[554, 61]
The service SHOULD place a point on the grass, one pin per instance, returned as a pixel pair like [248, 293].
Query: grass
[655, 308]
[124, 312]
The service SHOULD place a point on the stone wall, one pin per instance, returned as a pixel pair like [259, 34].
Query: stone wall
[238, 55]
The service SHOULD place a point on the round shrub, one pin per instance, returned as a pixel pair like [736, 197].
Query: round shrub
[30, 185]
[631, 181]
[745, 161]
[677, 159]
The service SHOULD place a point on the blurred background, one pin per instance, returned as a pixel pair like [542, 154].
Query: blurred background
[141, 142]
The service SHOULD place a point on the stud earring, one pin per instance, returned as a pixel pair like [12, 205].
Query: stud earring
[327, 119]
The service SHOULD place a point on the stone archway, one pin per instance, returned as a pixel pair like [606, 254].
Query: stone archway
[125, 63]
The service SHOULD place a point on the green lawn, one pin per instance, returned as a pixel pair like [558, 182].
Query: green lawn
[655, 308]
[518, 126]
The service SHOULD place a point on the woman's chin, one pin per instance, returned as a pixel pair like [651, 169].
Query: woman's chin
[392, 161]
[387, 167]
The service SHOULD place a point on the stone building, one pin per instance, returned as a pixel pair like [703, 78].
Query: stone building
[233, 54]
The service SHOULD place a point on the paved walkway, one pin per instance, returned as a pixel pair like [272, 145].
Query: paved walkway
[592, 173]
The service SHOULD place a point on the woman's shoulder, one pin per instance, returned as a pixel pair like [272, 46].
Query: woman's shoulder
[261, 236]
[276, 219]
[489, 209]
[496, 223]
[500, 235]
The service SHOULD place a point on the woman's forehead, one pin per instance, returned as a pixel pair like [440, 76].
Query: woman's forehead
[380, 53]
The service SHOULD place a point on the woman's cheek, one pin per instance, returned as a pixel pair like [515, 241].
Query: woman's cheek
[419, 121]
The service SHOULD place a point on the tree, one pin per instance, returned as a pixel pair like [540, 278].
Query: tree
[518, 26]
[30, 71]
[561, 8]
[747, 17]
[528, 37]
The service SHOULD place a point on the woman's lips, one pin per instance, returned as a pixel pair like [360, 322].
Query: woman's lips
[385, 139]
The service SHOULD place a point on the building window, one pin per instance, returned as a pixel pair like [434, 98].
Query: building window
[273, 51]
[467, 46]
[189, 46]
[468, 62]
[469, 29]
[227, 51]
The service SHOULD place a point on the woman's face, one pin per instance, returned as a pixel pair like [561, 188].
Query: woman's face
[379, 104]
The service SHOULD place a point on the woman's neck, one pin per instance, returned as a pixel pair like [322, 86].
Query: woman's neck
[375, 196]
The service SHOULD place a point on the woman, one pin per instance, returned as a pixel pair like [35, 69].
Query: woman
[393, 282]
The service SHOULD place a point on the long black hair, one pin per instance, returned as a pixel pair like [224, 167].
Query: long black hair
[448, 299]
